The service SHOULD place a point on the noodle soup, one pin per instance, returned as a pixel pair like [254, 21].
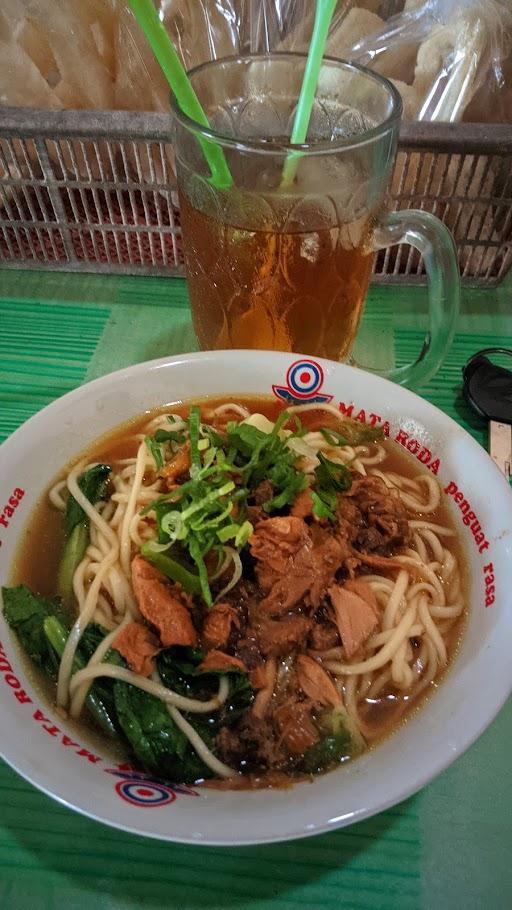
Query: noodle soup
[251, 595]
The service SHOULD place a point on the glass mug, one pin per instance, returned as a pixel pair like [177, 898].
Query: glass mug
[281, 257]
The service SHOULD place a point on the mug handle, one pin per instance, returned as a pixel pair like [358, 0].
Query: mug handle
[433, 240]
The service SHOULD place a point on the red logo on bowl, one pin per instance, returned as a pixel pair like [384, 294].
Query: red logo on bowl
[304, 381]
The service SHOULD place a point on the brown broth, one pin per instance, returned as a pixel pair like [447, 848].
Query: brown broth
[43, 537]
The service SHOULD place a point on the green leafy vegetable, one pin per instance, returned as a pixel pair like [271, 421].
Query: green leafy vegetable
[93, 484]
[265, 456]
[156, 444]
[288, 482]
[26, 613]
[324, 504]
[156, 741]
[100, 698]
[240, 698]
[256, 452]
[214, 438]
[120, 708]
[331, 478]
[42, 629]
[336, 745]
[352, 433]
[155, 450]
[178, 669]
[300, 429]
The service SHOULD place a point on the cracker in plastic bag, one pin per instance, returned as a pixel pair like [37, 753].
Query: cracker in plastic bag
[492, 99]
[460, 55]
[84, 78]
[357, 24]
[55, 43]
[204, 30]
[445, 49]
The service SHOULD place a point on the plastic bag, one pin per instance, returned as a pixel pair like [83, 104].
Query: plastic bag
[56, 53]
[447, 57]
[457, 46]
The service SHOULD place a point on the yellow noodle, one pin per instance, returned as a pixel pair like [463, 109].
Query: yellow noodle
[55, 495]
[395, 600]
[231, 408]
[382, 656]
[366, 459]
[437, 529]
[125, 547]
[434, 544]
[379, 682]
[205, 754]
[432, 630]
[79, 628]
[422, 587]
[89, 600]
[317, 406]
[446, 612]
[80, 694]
[380, 638]
[420, 547]
[195, 706]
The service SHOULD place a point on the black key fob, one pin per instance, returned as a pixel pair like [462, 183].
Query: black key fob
[488, 388]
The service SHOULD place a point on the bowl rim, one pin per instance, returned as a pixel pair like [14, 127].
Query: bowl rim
[438, 762]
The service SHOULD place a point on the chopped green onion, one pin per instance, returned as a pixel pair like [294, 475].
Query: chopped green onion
[155, 451]
[169, 436]
[239, 533]
[209, 498]
[197, 556]
[202, 523]
[235, 578]
[300, 429]
[331, 475]
[165, 497]
[244, 532]
[229, 532]
[324, 505]
[214, 438]
[280, 422]
[334, 438]
[194, 419]
[173, 525]
[174, 570]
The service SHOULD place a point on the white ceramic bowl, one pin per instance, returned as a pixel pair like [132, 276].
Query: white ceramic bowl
[35, 740]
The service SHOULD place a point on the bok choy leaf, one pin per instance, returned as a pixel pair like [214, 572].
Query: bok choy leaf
[93, 485]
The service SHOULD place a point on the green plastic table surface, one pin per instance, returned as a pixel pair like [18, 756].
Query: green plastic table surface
[450, 846]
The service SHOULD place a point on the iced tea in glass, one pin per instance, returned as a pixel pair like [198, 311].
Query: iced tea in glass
[280, 257]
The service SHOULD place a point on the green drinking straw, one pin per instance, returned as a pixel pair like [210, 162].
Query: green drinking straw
[176, 76]
[323, 15]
